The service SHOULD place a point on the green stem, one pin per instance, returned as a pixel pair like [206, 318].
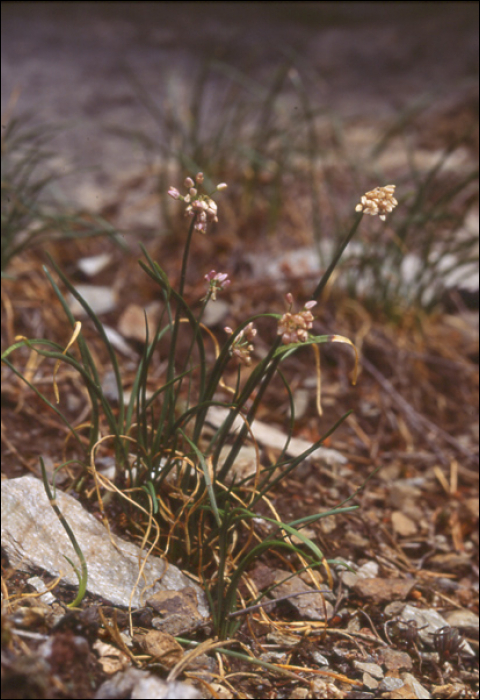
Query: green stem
[83, 577]
[328, 272]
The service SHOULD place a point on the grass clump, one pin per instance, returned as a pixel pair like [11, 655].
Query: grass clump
[30, 213]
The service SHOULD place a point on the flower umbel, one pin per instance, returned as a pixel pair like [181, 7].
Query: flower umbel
[294, 327]
[378, 201]
[241, 346]
[217, 281]
[201, 206]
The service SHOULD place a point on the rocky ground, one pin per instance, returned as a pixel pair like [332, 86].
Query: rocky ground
[116, 81]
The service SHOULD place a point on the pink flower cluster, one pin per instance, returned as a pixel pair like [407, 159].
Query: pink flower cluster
[200, 206]
[241, 346]
[294, 327]
[217, 281]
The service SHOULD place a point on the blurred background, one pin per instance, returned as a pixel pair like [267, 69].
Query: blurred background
[301, 107]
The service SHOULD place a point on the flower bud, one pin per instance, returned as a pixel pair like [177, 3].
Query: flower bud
[173, 192]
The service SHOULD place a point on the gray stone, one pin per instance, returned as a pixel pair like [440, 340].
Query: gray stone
[319, 659]
[311, 606]
[349, 579]
[390, 684]
[463, 620]
[421, 693]
[369, 681]
[428, 622]
[136, 684]
[372, 669]
[33, 536]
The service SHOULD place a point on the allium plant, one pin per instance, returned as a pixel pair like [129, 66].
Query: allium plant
[178, 474]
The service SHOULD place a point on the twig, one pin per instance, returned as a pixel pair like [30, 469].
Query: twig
[251, 608]
[372, 626]
[353, 635]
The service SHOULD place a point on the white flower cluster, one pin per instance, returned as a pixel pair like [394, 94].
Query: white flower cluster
[201, 206]
[378, 201]
[294, 327]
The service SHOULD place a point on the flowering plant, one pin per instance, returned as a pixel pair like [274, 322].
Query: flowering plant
[181, 476]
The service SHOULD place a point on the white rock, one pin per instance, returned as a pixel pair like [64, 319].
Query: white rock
[32, 536]
[94, 264]
[39, 585]
[273, 437]
[100, 299]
